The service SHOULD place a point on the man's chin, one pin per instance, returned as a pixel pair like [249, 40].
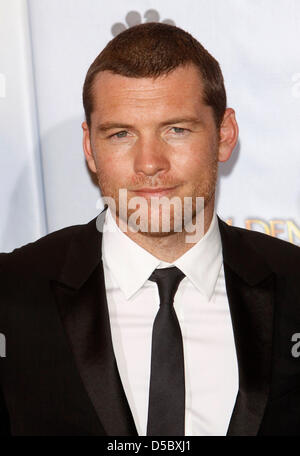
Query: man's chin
[150, 232]
[154, 227]
[156, 222]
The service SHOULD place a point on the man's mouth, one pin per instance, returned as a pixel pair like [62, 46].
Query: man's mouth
[150, 191]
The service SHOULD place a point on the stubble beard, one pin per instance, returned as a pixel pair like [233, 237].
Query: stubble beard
[205, 188]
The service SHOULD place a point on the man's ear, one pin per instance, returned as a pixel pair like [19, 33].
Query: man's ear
[86, 142]
[229, 132]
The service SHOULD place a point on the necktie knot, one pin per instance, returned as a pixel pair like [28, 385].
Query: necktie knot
[167, 280]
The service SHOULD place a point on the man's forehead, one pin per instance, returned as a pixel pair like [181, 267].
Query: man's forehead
[141, 101]
[187, 76]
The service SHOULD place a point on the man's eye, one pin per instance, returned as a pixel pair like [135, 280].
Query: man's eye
[120, 134]
[179, 130]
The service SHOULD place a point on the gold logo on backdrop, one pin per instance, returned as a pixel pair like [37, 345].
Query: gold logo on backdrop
[286, 230]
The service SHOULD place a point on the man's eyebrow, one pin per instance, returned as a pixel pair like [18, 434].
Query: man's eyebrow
[177, 120]
[110, 125]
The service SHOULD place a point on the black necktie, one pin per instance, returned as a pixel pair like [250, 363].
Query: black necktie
[167, 390]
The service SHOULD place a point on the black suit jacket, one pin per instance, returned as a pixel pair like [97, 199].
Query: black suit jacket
[60, 377]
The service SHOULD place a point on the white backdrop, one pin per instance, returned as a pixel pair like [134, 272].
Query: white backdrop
[46, 47]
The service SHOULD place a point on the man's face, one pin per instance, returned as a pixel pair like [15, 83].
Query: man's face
[150, 133]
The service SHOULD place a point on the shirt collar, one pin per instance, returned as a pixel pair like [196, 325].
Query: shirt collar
[131, 265]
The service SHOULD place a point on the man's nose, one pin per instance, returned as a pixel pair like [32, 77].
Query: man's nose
[150, 156]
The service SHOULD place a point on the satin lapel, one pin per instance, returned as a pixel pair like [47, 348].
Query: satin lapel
[81, 299]
[250, 288]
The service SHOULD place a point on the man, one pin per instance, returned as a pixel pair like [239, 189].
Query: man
[91, 348]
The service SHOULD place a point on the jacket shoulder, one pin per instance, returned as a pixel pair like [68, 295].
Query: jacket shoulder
[44, 254]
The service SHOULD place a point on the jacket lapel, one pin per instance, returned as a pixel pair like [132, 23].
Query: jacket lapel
[81, 300]
[250, 289]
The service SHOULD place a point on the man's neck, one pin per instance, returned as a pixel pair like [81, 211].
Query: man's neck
[173, 245]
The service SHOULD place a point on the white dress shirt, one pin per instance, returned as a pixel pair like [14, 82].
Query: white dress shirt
[201, 305]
